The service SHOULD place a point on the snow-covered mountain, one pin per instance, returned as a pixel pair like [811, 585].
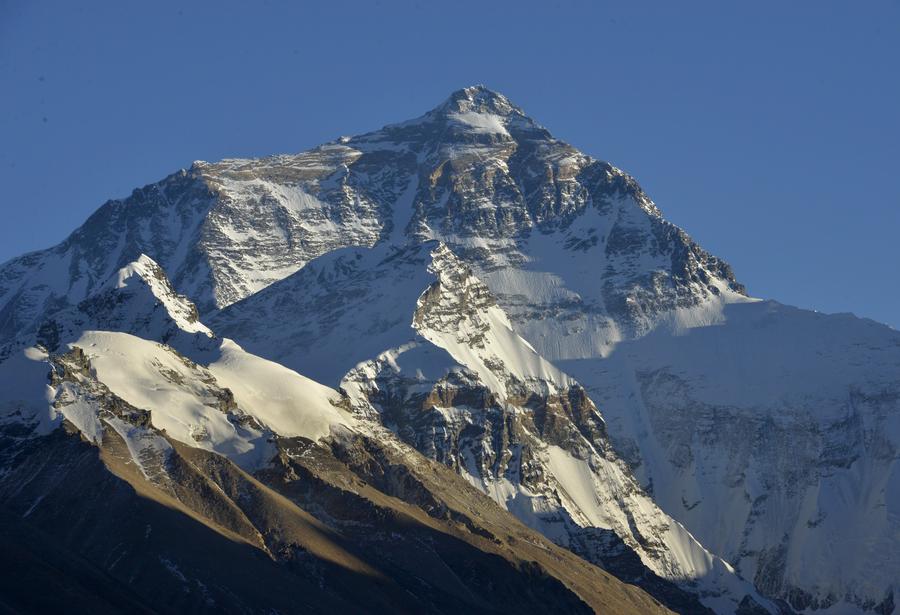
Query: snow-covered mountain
[454, 380]
[480, 292]
[774, 436]
[145, 479]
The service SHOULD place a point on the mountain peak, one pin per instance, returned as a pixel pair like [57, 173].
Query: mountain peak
[140, 297]
[471, 112]
[478, 99]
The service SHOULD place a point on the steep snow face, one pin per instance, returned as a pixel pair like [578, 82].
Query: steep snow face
[480, 122]
[613, 273]
[137, 299]
[145, 301]
[339, 310]
[774, 436]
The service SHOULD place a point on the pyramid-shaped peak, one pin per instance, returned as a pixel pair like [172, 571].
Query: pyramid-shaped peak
[474, 110]
[140, 294]
[479, 99]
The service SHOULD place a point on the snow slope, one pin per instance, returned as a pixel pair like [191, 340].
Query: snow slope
[205, 406]
[25, 392]
[216, 396]
[773, 435]
[281, 399]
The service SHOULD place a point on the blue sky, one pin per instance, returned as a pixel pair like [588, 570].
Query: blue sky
[770, 131]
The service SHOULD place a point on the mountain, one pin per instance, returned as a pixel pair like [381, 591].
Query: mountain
[457, 383]
[486, 297]
[232, 484]
[773, 436]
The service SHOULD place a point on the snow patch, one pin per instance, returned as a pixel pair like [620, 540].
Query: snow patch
[485, 123]
[285, 401]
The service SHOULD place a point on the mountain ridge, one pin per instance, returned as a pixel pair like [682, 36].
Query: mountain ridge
[125, 451]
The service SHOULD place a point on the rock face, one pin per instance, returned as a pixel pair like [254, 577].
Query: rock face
[520, 313]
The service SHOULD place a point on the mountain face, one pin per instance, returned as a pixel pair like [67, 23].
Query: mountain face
[460, 332]
[457, 383]
[773, 436]
[222, 482]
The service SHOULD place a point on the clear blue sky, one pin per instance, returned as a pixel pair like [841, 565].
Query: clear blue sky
[769, 130]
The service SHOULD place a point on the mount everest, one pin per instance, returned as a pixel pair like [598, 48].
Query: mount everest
[491, 340]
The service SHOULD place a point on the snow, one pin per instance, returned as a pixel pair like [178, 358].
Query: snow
[180, 394]
[285, 401]
[487, 123]
[587, 494]
[145, 273]
[400, 293]
[356, 302]
[498, 343]
[184, 398]
[402, 211]
[570, 285]
[25, 391]
[423, 362]
[80, 412]
[281, 222]
[577, 481]
[459, 327]
[751, 421]
[769, 400]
